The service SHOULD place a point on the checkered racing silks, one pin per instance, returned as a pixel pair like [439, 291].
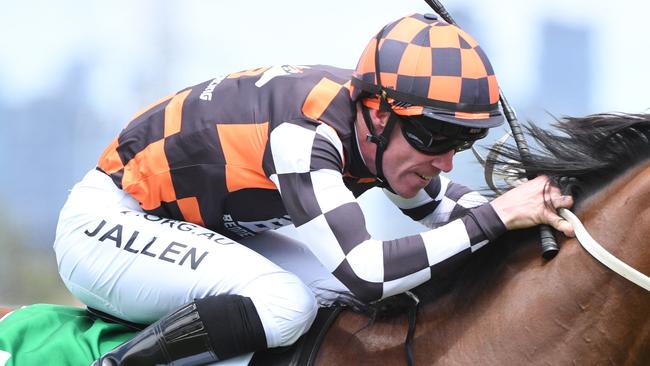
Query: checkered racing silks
[263, 148]
[433, 68]
[332, 225]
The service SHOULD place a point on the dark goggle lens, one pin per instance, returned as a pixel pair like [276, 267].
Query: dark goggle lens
[433, 142]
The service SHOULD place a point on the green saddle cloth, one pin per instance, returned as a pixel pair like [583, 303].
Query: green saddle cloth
[43, 334]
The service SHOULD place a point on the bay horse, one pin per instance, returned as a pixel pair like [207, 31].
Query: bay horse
[508, 306]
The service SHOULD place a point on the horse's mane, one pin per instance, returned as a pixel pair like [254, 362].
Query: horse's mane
[580, 155]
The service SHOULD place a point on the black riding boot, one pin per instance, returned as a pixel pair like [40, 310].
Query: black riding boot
[178, 337]
[204, 331]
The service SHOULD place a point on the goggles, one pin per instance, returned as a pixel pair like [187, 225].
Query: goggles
[434, 137]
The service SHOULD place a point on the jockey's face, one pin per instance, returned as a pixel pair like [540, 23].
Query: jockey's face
[409, 170]
[406, 169]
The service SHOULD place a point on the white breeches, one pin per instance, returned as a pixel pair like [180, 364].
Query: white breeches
[114, 257]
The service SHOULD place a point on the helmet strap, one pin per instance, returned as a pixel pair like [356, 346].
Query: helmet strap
[381, 140]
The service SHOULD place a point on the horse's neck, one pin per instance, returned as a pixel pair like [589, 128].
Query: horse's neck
[569, 309]
[618, 217]
[617, 314]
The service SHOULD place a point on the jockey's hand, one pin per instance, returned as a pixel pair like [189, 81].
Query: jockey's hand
[532, 203]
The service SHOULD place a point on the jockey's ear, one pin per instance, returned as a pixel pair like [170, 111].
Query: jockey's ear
[379, 118]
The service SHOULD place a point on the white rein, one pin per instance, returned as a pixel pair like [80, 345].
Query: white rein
[600, 253]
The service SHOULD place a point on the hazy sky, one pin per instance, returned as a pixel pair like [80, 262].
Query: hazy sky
[198, 39]
[129, 53]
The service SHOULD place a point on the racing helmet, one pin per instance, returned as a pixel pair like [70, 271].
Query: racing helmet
[421, 66]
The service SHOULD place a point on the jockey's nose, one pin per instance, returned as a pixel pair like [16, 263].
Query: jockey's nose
[444, 162]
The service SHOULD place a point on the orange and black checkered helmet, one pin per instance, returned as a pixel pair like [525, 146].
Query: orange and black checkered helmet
[431, 68]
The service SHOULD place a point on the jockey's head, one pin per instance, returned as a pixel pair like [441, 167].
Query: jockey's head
[433, 79]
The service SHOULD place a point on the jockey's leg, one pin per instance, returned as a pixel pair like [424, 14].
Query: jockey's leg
[141, 268]
[203, 331]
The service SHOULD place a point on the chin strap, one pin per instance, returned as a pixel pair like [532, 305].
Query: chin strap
[380, 140]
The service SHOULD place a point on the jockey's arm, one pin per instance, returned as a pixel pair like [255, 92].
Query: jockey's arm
[330, 222]
[530, 204]
[440, 202]
[332, 225]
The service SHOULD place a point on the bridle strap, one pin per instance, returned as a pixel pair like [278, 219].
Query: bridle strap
[601, 254]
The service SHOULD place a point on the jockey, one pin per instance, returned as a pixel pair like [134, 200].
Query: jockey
[153, 234]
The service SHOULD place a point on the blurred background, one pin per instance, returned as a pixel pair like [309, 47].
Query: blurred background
[72, 73]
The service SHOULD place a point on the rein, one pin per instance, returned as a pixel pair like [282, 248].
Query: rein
[601, 254]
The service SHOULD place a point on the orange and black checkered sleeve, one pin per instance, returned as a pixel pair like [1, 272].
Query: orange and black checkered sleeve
[137, 161]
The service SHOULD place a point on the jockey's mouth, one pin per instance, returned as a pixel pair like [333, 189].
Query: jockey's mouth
[424, 177]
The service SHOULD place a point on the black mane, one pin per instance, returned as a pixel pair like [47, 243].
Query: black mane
[582, 154]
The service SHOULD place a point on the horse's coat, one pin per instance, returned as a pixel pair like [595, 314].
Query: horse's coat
[509, 306]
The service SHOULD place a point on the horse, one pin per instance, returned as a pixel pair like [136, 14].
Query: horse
[506, 305]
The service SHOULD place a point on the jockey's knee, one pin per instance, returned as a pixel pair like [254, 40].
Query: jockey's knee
[286, 307]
